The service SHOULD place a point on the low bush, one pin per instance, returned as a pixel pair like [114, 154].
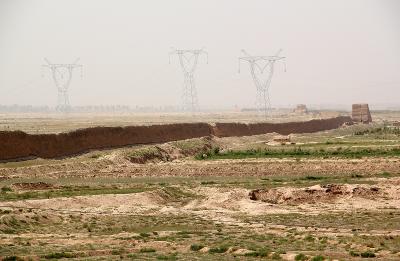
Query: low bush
[59, 255]
[300, 257]
[196, 247]
[6, 189]
[318, 258]
[368, 254]
[258, 253]
[221, 249]
[147, 250]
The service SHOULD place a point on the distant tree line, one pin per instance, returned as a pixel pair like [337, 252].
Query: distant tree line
[89, 108]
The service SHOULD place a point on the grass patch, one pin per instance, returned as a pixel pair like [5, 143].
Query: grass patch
[218, 250]
[145, 154]
[367, 254]
[299, 152]
[59, 255]
[68, 192]
[378, 131]
[5, 189]
[258, 253]
[300, 257]
[12, 258]
[313, 178]
[167, 257]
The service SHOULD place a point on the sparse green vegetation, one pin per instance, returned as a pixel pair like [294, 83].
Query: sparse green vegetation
[5, 189]
[318, 258]
[258, 253]
[378, 131]
[298, 152]
[144, 154]
[194, 210]
[12, 258]
[147, 250]
[220, 249]
[167, 257]
[196, 247]
[68, 192]
[300, 257]
[367, 254]
[59, 255]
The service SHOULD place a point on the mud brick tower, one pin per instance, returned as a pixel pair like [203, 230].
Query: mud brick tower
[360, 113]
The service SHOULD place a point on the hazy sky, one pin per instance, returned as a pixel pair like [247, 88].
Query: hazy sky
[338, 51]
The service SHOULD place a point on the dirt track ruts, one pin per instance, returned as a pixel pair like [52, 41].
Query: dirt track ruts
[247, 167]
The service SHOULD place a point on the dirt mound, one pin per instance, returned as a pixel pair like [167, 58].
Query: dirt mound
[171, 151]
[314, 194]
[32, 186]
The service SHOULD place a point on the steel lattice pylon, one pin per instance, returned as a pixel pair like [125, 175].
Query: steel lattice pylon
[188, 60]
[62, 76]
[259, 65]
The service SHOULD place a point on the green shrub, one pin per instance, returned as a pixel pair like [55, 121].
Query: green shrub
[368, 254]
[300, 257]
[318, 258]
[385, 174]
[11, 258]
[258, 253]
[117, 251]
[221, 249]
[313, 177]
[95, 156]
[165, 257]
[196, 247]
[208, 182]
[147, 250]
[352, 253]
[59, 255]
[6, 189]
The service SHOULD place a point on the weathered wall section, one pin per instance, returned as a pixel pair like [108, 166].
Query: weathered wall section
[19, 145]
[14, 145]
[240, 129]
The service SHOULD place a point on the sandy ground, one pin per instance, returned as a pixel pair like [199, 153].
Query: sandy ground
[226, 208]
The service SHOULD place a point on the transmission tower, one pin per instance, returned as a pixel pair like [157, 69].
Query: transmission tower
[62, 76]
[260, 66]
[188, 60]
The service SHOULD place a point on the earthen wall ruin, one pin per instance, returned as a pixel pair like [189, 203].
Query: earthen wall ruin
[20, 145]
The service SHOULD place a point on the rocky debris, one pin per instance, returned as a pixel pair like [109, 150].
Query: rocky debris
[314, 194]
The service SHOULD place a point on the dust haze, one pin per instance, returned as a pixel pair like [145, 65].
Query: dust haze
[338, 52]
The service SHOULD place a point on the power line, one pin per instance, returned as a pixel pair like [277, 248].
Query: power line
[258, 66]
[62, 76]
[188, 60]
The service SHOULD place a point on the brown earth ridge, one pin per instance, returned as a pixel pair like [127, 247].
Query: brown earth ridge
[17, 145]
